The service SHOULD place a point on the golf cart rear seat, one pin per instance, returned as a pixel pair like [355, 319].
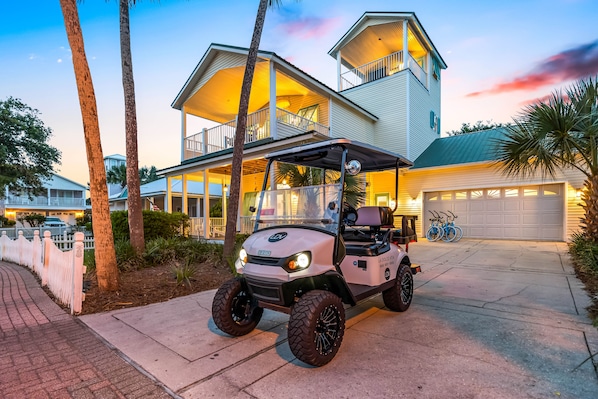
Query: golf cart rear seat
[367, 237]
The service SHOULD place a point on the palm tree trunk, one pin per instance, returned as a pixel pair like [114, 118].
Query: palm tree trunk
[105, 256]
[590, 206]
[237, 162]
[133, 186]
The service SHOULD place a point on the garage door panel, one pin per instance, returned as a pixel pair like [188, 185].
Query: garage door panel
[493, 219]
[511, 218]
[531, 219]
[494, 205]
[476, 218]
[477, 205]
[552, 218]
[510, 205]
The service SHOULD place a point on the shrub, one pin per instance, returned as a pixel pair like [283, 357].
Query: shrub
[584, 253]
[89, 260]
[184, 273]
[155, 224]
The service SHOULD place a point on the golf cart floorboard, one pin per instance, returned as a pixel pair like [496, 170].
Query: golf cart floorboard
[364, 291]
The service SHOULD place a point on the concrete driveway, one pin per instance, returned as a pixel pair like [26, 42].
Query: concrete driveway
[489, 319]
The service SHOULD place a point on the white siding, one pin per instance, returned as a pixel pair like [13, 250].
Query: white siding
[386, 98]
[347, 123]
[422, 101]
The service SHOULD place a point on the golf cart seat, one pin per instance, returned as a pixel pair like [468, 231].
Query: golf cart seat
[370, 236]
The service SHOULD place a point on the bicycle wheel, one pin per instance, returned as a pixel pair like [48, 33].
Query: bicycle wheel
[434, 233]
[449, 234]
[459, 233]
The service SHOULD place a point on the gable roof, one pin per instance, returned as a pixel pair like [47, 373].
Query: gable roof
[372, 18]
[461, 149]
[282, 65]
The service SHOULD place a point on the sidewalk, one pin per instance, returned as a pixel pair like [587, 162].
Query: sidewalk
[46, 353]
[490, 319]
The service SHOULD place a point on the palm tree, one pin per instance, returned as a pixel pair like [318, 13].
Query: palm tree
[296, 176]
[117, 175]
[232, 210]
[105, 256]
[559, 133]
[133, 184]
[147, 175]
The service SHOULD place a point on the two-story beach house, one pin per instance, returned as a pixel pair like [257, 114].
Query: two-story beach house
[63, 198]
[389, 76]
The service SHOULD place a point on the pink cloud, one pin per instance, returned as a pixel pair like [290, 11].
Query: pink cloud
[570, 64]
[308, 28]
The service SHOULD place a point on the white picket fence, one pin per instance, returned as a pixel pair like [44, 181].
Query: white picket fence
[61, 271]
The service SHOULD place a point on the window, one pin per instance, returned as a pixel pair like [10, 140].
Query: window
[530, 192]
[493, 193]
[310, 113]
[446, 196]
[382, 199]
[460, 195]
[551, 190]
[432, 196]
[511, 192]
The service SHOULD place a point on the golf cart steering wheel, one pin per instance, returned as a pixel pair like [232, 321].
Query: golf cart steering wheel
[349, 215]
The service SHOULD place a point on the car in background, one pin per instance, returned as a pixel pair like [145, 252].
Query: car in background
[54, 222]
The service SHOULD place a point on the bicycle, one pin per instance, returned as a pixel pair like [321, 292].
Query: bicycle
[435, 231]
[459, 230]
[450, 233]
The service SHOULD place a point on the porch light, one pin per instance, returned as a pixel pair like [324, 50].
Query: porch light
[393, 203]
[225, 188]
[578, 193]
[283, 102]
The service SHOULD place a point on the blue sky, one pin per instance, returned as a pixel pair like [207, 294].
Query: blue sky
[501, 55]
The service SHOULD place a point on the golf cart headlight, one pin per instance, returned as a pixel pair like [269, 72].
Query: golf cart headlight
[297, 262]
[243, 256]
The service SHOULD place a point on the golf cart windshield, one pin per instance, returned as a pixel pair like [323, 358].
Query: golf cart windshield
[309, 206]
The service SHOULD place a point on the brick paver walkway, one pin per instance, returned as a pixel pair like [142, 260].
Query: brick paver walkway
[47, 353]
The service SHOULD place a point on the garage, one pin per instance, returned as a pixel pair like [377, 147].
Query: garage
[534, 212]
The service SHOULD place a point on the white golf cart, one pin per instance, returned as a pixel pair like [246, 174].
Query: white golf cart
[310, 252]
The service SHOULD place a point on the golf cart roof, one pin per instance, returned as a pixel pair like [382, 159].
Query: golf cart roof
[328, 155]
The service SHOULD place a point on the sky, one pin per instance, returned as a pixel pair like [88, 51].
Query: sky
[501, 55]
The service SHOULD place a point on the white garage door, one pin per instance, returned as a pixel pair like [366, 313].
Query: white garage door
[517, 213]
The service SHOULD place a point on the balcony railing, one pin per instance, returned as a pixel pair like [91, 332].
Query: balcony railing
[222, 136]
[20, 200]
[381, 68]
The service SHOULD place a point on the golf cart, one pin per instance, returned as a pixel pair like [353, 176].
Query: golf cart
[310, 251]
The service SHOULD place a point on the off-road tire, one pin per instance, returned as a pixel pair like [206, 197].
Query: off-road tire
[234, 311]
[316, 327]
[398, 297]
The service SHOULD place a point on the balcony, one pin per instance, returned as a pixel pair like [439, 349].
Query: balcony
[41, 201]
[382, 68]
[222, 136]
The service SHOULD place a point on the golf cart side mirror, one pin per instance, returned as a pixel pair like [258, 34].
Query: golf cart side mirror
[353, 167]
[252, 209]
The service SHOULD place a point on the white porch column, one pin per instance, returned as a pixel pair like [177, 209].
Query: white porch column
[224, 200]
[168, 199]
[338, 71]
[48, 195]
[184, 205]
[273, 120]
[240, 208]
[183, 131]
[406, 59]
[204, 141]
[206, 204]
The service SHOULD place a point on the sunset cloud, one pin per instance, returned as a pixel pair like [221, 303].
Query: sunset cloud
[570, 64]
[309, 27]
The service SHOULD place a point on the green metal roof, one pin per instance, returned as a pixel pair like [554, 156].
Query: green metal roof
[460, 149]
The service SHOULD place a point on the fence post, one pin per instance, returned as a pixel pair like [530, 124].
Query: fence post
[78, 270]
[47, 246]
[20, 245]
[36, 253]
[3, 239]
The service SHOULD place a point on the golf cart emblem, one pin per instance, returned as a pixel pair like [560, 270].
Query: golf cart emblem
[387, 274]
[277, 237]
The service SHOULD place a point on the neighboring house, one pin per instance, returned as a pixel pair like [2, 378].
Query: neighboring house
[110, 162]
[154, 196]
[388, 95]
[63, 198]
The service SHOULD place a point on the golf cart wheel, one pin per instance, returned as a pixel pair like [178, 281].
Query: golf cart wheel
[316, 327]
[398, 297]
[234, 311]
